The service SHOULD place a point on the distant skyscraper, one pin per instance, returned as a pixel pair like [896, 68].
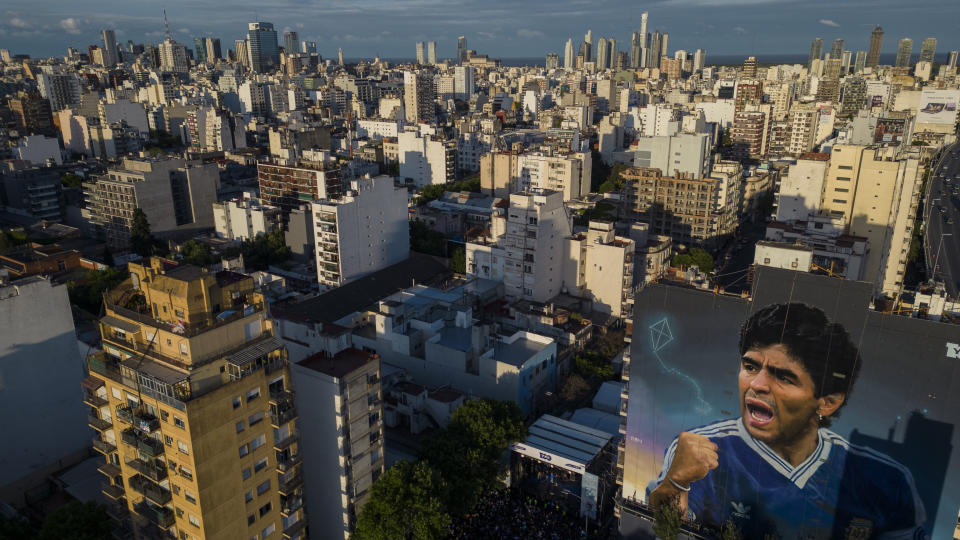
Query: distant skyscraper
[816, 51]
[461, 49]
[603, 60]
[846, 60]
[928, 49]
[568, 55]
[876, 45]
[111, 55]
[199, 50]
[836, 51]
[860, 62]
[173, 56]
[664, 45]
[432, 52]
[904, 49]
[588, 39]
[262, 47]
[952, 60]
[340, 55]
[290, 40]
[420, 55]
[240, 53]
[611, 52]
[750, 67]
[213, 49]
[418, 96]
[308, 47]
[643, 41]
[553, 61]
[699, 59]
[653, 52]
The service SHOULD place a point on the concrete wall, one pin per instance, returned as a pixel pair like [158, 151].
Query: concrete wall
[40, 377]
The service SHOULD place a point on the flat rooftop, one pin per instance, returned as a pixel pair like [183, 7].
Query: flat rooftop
[338, 365]
[518, 352]
[576, 442]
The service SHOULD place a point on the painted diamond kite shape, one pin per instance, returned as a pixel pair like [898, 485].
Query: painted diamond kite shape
[660, 334]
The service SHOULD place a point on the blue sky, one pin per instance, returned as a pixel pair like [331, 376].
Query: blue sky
[501, 28]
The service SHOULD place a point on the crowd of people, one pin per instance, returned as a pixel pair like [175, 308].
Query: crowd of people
[511, 515]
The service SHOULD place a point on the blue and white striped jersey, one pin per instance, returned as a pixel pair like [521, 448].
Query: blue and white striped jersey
[842, 491]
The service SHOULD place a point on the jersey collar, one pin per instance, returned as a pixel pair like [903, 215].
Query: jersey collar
[800, 474]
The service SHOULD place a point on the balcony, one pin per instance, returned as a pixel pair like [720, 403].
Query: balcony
[154, 471]
[288, 484]
[111, 491]
[291, 505]
[285, 442]
[94, 400]
[161, 516]
[109, 469]
[103, 447]
[278, 419]
[117, 510]
[294, 529]
[287, 463]
[145, 444]
[139, 418]
[98, 424]
[148, 489]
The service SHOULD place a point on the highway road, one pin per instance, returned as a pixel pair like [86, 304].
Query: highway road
[942, 215]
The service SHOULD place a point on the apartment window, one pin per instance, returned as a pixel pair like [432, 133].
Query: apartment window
[178, 313]
[253, 394]
[263, 488]
[193, 520]
[246, 473]
[164, 415]
[248, 496]
[841, 190]
[179, 512]
[168, 439]
[244, 449]
[236, 402]
[189, 496]
[269, 530]
[177, 421]
[250, 519]
[183, 447]
[186, 473]
[766, 260]
[258, 442]
[183, 348]
[240, 426]
[255, 418]
[265, 509]
[840, 201]
[117, 394]
[258, 466]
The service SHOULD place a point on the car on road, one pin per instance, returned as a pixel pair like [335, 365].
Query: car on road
[949, 221]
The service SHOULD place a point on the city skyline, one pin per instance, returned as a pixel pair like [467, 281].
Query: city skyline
[371, 28]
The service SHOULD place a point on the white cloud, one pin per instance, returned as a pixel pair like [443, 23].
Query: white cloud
[740, 30]
[71, 25]
[487, 35]
[526, 33]
[828, 22]
[17, 22]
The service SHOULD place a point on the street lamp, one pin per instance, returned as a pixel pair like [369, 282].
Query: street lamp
[937, 259]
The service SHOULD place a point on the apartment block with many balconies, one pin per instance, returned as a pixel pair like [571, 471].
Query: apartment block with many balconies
[191, 402]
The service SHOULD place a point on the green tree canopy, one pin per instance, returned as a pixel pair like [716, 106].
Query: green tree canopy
[88, 294]
[696, 256]
[468, 453]
[404, 504]
[459, 263]
[263, 250]
[195, 253]
[71, 180]
[434, 191]
[78, 521]
[423, 239]
[142, 241]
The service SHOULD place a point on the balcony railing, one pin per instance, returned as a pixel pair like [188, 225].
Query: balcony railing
[287, 463]
[98, 424]
[94, 400]
[109, 469]
[159, 515]
[145, 444]
[289, 483]
[111, 491]
[281, 418]
[148, 489]
[294, 528]
[153, 471]
[103, 447]
[139, 418]
[285, 442]
[291, 505]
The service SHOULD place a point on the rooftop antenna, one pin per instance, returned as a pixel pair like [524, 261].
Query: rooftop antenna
[166, 24]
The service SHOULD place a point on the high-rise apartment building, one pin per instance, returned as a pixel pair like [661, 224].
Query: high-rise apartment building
[262, 47]
[173, 56]
[240, 52]
[32, 113]
[461, 49]
[418, 97]
[876, 45]
[213, 52]
[816, 51]
[952, 59]
[653, 52]
[750, 67]
[928, 49]
[191, 398]
[339, 397]
[568, 55]
[199, 50]
[463, 81]
[111, 53]
[290, 186]
[175, 195]
[603, 54]
[588, 50]
[860, 62]
[420, 53]
[552, 61]
[365, 230]
[308, 47]
[61, 88]
[432, 52]
[568, 174]
[836, 50]
[904, 49]
[699, 59]
[290, 40]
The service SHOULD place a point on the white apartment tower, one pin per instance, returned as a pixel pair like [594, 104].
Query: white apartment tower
[361, 232]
